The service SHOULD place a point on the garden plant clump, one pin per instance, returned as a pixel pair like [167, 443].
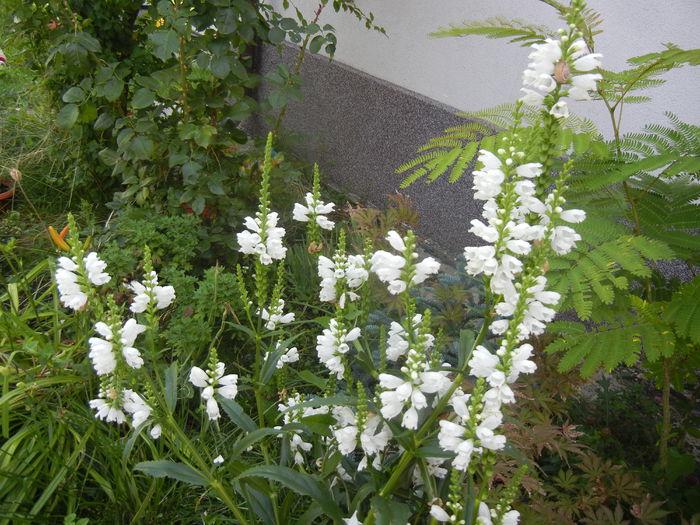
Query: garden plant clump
[217, 353]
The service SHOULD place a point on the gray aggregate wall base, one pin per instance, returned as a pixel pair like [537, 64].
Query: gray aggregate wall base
[358, 129]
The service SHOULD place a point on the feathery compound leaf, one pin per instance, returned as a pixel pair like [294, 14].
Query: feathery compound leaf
[514, 30]
[608, 345]
[589, 273]
[684, 310]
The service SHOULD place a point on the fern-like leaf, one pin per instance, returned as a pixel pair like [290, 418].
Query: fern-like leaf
[516, 31]
[684, 311]
[608, 345]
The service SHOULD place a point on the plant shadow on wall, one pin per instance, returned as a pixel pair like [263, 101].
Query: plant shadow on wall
[640, 191]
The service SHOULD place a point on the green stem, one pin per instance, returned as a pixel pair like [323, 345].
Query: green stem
[665, 418]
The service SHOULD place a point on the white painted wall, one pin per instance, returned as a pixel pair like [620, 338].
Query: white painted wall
[473, 72]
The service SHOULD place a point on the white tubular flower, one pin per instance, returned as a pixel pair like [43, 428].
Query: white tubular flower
[397, 345]
[531, 97]
[135, 405]
[214, 382]
[94, 266]
[127, 337]
[582, 85]
[402, 393]
[71, 295]
[484, 517]
[296, 443]
[573, 216]
[263, 238]
[314, 210]
[521, 363]
[276, 315]
[156, 431]
[149, 292]
[352, 520]
[483, 363]
[290, 356]
[332, 344]
[218, 460]
[564, 239]
[452, 438]
[560, 109]
[439, 513]
[390, 268]
[343, 272]
[101, 351]
[489, 440]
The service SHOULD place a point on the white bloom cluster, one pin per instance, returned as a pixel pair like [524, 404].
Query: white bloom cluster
[72, 285]
[290, 355]
[515, 220]
[297, 444]
[560, 62]
[397, 343]
[276, 315]
[104, 359]
[332, 344]
[214, 382]
[315, 210]
[150, 292]
[487, 516]
[372, 434]
[510, 232]
[340, 276]
[135, 405]
[110, 406]
[408, 392]
[263, 238]
[396, 270]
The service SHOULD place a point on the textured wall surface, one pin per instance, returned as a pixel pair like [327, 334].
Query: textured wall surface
[359, 129]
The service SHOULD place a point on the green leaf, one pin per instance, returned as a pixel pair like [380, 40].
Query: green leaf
[275, 35]
[143, 98]
[316, 43]
[171, 386]
[112, 89]
[104, 121]
[303, 484]
[74, 94]
[142, 147]
[215, 187]
[220, 66]
[68, 115]
[198, 204]
[238, 415]
[166, 43]
[191, 171]
[313, 379]
[108, 156]
[684, 310]
[252, 437]
[170, 469]
[389, 512]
